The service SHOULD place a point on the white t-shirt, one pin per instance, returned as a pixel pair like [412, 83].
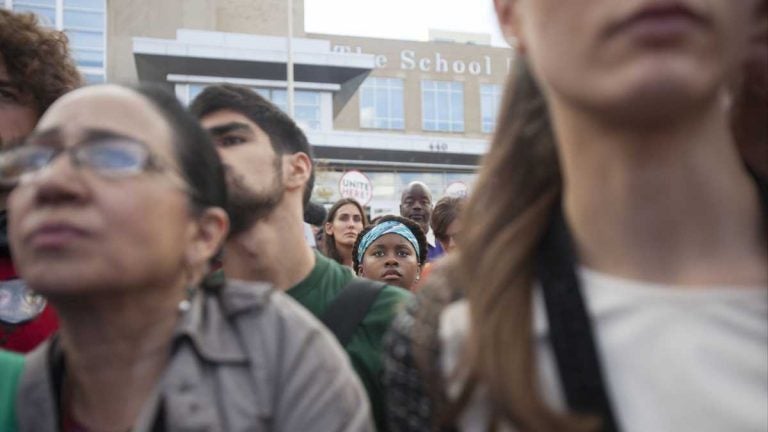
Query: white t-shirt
[674, 358]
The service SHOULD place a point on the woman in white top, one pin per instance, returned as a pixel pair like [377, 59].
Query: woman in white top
[615, 273]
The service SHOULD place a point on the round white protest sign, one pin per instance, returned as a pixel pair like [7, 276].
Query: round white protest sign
[354, 184]
[457, 189]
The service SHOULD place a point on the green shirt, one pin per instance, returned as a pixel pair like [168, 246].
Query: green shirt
[11, 366]
[319, 289]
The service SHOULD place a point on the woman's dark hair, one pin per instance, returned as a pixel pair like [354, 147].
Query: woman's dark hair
[329, 241]
[198, 159]
[516, 191]
[411, 225]
[443, 214]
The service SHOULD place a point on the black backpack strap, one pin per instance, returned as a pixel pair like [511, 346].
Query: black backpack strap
[350, 307]
[570, 327]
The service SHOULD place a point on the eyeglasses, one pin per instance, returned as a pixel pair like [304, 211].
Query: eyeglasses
[112, 157]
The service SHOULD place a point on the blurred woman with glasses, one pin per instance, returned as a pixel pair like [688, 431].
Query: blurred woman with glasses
[116, 214]
[615, 273]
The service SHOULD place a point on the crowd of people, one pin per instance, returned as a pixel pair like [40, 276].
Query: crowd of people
[163, 268]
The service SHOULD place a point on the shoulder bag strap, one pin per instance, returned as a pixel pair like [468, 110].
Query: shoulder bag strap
[350, 307]
[570, 327]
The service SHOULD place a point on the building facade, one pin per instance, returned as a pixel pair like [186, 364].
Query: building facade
[394, 110]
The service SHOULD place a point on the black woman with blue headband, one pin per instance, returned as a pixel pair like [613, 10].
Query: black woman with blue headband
[392, 251]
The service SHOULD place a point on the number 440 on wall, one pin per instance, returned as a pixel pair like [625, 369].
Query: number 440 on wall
[438, 146]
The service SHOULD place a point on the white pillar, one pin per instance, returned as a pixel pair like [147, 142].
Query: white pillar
[290, 60]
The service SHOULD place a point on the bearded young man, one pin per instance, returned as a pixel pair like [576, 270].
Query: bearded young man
[270, 178]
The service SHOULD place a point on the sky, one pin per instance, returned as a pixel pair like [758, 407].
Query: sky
[400, 19]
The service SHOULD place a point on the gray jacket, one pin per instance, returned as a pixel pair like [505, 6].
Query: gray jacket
[245, 358]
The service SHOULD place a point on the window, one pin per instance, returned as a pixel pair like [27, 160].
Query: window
[381, 103]
[442, 105]
[307, 105]
[84, 22]
[490, 95]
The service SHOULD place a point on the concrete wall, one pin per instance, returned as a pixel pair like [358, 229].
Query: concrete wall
[153, 18]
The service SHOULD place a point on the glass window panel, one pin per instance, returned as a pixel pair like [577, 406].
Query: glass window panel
[366, 117]
[306, 98]
[441, 104]
[94, 78]
[378, 98]
[382, 103]
[47, 16]
[48, 3]
[86, 4]
[490, 97]
[457, 100]
[194, 90]
[306, 112]
[429, 106]
[396, 105]
[86, 39]
[366, 98]
[398, 124]
[81, 19]
[263, 93]
[279, 97]
[326, 188]
[457, 113]
[87, 58]
[308, 124]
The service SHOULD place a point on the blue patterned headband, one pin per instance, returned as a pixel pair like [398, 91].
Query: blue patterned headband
[387, 227]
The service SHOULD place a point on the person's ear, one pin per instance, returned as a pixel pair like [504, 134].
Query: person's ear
[509, 23]
[206, 236]
[328, 228]
[298, 170]
[360, 270]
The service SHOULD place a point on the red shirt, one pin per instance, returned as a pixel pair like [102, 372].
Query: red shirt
[24, 337]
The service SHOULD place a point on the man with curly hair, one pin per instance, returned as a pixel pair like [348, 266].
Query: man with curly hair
[35, 70]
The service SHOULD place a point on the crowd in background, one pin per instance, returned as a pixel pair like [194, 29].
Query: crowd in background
[162, 267]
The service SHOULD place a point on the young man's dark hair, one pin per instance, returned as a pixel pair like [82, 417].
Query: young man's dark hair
[443, 214]
[421, 238]
[315, 214]
[285, 135]
[198, 159]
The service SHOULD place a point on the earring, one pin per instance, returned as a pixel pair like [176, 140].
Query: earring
[186, 304]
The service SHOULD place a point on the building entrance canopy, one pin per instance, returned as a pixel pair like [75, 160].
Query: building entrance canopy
[235, 55]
